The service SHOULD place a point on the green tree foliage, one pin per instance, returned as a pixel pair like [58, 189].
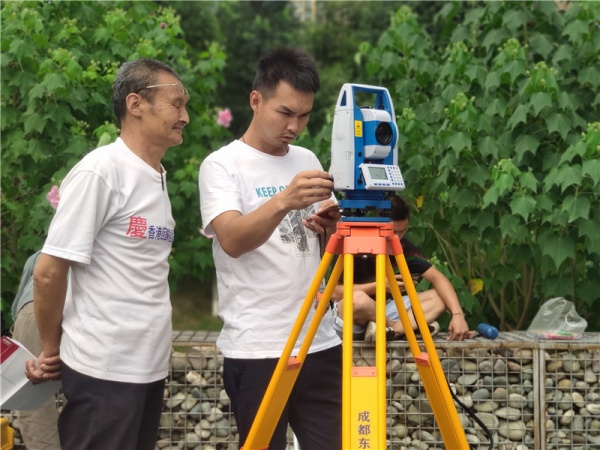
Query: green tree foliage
[332, 36]
[59, 60]
[500, 132]
[245, 30]
[333, 39]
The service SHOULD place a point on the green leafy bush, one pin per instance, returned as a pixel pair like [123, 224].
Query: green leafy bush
[59, 60]
[500, 148]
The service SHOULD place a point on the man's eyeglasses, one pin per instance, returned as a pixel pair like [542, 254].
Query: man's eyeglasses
[180, 89]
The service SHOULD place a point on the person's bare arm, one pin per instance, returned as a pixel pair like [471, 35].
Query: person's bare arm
[240, 233]
[458, 327]
[50, 280]
[367, 288]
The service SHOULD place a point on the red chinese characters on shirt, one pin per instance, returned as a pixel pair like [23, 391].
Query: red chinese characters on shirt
[137, 227]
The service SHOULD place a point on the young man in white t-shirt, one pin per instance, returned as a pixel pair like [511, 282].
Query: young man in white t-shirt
[108, 336]
[266, 201]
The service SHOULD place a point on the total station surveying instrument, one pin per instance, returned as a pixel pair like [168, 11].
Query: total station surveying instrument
[364, 167]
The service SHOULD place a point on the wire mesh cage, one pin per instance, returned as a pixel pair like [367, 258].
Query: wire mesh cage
[515, 392]
[511, 393]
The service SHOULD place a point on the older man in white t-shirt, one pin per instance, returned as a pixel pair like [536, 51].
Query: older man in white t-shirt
[108, 336]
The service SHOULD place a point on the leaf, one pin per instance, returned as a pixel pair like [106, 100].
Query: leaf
[77, 146]
[591, 167]
[475, 285]
[526, 143]
[33, 122]
[492, 81]
[490, 197]
[451, 91]
[478, 175]
[565, 101]
[105, 139]
[545, 203]
[515, 69]
[542, 44]
[515, 18]
[482, 122]
[54, 81]
[488, 147]
[529, 181]
[509, 225]
[569, 175]
[552, 179]
[523, 205]
[519, 116]
[448, 70]
[559, 123]
[474, 15]
[540, 100]
[578, 149]
[559, 248]
[495, 38]
[59, 115]
[418, 162]
[389, 59]
[588, 228]
[505, 182]
[564, 52]
[36, 150]
[21, 49]
[575, 30]
[482, 219]
[476, 73]
[589, 75]
[576, 207]
[459, 141]
[496, 107]
[464, 199]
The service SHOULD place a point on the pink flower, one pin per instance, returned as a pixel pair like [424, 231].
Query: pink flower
[163, 25]
[224, 118]
[53, 197]
[205, 234]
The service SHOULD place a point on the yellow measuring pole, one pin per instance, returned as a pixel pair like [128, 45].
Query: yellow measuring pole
[363, 388]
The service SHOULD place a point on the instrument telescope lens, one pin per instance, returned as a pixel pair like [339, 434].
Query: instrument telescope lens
[384, 133]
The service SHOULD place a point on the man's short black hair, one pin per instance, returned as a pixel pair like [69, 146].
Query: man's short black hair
[400, 207]
[292, 65]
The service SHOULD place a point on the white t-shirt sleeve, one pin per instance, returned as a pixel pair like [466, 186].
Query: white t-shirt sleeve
[219, 191]
[86, 203]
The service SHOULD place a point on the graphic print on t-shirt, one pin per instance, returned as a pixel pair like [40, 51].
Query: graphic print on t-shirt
[292, 231]
[139, 228]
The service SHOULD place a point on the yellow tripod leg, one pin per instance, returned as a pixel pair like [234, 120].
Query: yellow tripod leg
[428, 364]
[287, 369]
[380, 345]
[364, 395]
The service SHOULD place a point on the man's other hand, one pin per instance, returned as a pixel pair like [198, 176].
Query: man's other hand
[47, 368]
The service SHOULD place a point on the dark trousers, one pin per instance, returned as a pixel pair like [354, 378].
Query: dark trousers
[314, 409]
[103, 415]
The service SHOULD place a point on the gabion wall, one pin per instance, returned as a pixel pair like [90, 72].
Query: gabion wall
[529, 394]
